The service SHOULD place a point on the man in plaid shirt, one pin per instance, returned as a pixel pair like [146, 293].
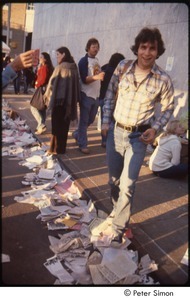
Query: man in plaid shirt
[130, 122]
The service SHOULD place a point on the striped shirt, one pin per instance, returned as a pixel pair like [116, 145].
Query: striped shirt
[136, 104]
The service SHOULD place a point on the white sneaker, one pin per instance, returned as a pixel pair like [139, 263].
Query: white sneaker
[41, 130]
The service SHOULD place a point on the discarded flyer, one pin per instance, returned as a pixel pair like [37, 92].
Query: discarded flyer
[97, 277]
[147, 265]
[55, 267]
[46, 173]
[83, 249]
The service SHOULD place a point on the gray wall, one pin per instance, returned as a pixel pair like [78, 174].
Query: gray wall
[116, 25]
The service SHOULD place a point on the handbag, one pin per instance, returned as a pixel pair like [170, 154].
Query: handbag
[37, 100]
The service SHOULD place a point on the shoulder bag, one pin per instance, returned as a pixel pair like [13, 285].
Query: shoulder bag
[37, 100]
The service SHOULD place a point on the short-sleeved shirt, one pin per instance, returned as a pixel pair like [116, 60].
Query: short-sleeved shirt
[88, 67]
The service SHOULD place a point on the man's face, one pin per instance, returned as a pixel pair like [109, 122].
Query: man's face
[147, 54]
[93, 50]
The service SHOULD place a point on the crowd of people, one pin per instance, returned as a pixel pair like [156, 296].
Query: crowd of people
[127, 92]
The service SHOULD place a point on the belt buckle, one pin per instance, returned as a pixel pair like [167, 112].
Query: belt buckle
[129, 128]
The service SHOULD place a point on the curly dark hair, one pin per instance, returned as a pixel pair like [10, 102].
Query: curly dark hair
[91, 42]
[149, 35]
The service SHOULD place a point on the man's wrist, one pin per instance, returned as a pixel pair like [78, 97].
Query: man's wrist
[14, 66]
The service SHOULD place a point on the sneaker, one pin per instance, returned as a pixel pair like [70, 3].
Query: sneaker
[84, 150]
[48, 153]
[40, 131]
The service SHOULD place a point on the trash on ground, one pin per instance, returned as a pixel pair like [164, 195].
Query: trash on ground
[82, 253]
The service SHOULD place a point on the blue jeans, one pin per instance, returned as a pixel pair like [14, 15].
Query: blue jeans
[101, 103]
[125, 155]
[40, 116]
[88, 111]
[174, 172]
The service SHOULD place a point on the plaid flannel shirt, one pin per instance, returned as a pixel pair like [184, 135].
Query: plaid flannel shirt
[136, 105]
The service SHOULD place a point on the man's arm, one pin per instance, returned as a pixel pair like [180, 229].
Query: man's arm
[8, 75]
[90, 79]
[83, 70]
[167, 102]
[167, 106]
[24, 60]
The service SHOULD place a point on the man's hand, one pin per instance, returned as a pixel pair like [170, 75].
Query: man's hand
[148, 136]
[100, 76]
[25, 60]
[104, 129]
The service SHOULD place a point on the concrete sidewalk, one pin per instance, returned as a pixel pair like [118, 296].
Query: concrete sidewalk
[160, 212]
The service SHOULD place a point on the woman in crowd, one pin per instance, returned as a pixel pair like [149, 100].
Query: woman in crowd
[44, 73]
[165, 160]
[61, 97]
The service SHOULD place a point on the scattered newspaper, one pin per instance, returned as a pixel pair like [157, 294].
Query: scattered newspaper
[82, 254]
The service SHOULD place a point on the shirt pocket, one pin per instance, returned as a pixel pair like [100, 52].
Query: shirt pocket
[151, 93]
[151, 90]
[123, 87]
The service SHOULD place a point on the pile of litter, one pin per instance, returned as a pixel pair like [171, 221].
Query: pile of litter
[82, 255]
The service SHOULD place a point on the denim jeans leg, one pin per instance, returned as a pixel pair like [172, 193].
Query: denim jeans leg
[115, 164]
[102, 115]
[133, 152]
[93, 111]
[85, 120]
[38, 116]
[175, 172]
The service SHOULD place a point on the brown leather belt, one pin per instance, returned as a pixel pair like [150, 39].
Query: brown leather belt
[140, 128]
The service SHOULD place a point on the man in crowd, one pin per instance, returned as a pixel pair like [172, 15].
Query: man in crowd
[132, 125]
